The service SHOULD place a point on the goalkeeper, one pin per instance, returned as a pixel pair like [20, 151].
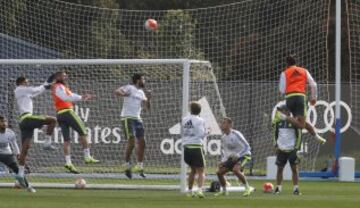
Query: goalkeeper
[236, 152]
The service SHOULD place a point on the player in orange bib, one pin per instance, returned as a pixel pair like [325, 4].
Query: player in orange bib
[293, 84]
[67, 118]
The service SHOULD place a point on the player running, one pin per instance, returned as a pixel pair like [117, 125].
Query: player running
[67, 118]
[134, 98]
[236, 152]
[292, 84]
[28, 121]
[8, 150]
[194, 132]
[287, 140]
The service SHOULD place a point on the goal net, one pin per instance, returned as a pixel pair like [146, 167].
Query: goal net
[353, 11]
[164, 77]
[246, 43]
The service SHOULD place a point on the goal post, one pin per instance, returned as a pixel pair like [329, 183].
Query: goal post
[192, 79]
[185, 110]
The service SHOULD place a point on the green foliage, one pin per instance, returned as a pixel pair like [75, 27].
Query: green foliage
[174, 39]
[106, 40]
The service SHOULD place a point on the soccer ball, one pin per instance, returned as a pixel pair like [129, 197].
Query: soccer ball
[151, 25]
[80, 183]
[268, 187]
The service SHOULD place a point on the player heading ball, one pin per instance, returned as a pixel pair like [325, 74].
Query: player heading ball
[135, 97]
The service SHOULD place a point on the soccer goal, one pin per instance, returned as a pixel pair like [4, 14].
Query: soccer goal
[246, 43]
[173, 82]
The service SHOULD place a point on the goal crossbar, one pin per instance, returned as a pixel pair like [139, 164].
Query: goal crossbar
[99, 61]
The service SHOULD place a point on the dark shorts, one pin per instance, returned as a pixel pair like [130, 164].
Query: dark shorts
[10, 162]
[133, 127]
[229, 164]
[194, 156]
[68, 118]
[28, 123]
[282, 158]
[296, 105]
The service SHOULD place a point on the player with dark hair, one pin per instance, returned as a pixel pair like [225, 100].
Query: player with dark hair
[293, 83]
[135, 96]
[194, 132]
[236, 153]
[9, 150]
[287, 140]
[28, 121]
[67, 118]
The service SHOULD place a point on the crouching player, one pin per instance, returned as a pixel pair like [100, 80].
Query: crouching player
[194, 132]
[235, 154]
[287, 140]
[7, 153]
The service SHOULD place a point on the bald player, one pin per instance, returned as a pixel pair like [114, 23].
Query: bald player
[64, 100]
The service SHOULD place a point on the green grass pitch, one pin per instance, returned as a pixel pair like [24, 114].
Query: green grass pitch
[315, 194]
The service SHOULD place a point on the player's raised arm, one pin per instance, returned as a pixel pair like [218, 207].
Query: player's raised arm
[123, 91]
[147, 98]
[60, 91]
[282, 84]
[313, 88]
[24, 90]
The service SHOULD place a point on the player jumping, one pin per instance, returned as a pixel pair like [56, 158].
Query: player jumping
[235, 154]
[67, 118]
[134, 98]
[8, 150]
[293, 82]
[194, 132]
[28, 122]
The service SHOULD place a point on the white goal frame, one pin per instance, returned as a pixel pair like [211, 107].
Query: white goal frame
[186, 63]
